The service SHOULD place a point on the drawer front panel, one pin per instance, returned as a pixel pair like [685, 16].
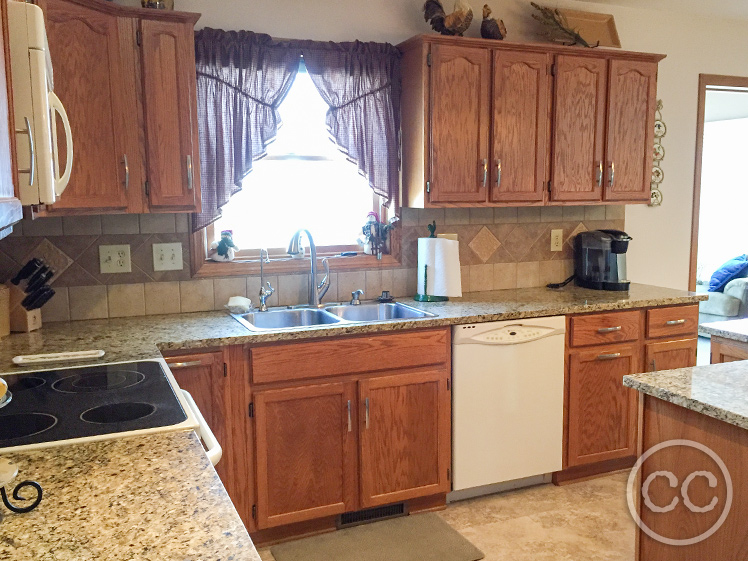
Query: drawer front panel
[349, 355]
[602, 329]
[677, 320]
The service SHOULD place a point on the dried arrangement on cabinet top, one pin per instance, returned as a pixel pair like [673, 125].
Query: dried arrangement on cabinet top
[455, 23]
[491, 28]
[558, 28]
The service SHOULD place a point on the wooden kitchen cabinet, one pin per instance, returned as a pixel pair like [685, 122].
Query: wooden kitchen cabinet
[600, 105]
[10, 205]
[126, 77]
[404, 436]
[666, 355]
[602, 412]
[306, 453]
[727, 350]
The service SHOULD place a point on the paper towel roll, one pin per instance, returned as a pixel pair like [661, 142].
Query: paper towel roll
[442, 256]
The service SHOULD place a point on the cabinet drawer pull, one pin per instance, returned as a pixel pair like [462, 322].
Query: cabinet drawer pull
[609, 329]
[485, 171]
[32, 152]
[675, 322]
[498, 173]
[189, 173]
[184, 364]
[127, 172]
[366, 401]
[609, 356]
[350, 427]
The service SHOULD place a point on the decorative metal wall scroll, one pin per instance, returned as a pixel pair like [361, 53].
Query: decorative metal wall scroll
[658, 155]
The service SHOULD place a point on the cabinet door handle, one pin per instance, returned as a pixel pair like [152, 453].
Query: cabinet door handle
[127, 172]
[485, 171]
[189, 173]
[498, 173]
[612, 173]
[184, 364]
[609, 329]
[675, 322]
[32, 153]
[366, 401]
[600, 173]
[609, 356]
[350, 426]
[654, 365]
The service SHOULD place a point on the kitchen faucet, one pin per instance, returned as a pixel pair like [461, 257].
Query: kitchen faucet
[265, 293]
[316, 291]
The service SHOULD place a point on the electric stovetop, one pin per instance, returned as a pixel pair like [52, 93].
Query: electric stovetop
[85, 402]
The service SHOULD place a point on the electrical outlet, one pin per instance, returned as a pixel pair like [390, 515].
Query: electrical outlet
[114, 259]
[167, 257]
[557, 240]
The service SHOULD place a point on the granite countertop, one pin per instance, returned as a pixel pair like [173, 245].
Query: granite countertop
[150, 498]
[716, 390]
[144, 337]
[736, 329]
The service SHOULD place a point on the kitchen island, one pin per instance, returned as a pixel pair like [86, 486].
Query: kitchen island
[154, 498]
[729, 339]
[697, 485]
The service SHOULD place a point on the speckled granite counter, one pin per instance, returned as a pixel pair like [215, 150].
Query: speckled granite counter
[717, 390]
[143, 337]
[153, 498]
[736, 329]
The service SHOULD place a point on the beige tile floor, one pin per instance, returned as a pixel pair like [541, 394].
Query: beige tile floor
[587, 521]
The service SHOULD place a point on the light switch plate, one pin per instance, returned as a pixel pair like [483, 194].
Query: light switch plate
[557, 240]
[115, 259]
[167, 257]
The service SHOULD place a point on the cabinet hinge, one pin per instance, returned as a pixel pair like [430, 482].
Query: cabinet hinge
[254, 511]
[251, 410]
[147, 189]
[225, 370]
[428, 59]
[139, 37]
[553, 69]
[428, 186]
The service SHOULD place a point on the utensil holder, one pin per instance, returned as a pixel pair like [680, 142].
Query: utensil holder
[21, 319]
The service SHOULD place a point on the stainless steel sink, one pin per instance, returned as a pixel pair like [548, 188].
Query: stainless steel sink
[374, 311]
[286, 319]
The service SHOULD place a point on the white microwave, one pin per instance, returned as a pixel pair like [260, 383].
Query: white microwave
[40, 178]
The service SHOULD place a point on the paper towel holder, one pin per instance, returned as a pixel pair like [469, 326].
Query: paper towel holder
[427, 297]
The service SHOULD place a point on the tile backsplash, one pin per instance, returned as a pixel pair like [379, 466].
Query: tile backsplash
[499, 248]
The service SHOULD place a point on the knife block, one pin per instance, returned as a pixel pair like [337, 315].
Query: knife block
[21, 319]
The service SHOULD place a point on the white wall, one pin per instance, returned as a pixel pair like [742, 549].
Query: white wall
[694, 44]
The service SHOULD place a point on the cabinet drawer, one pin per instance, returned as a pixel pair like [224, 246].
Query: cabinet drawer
[678, 320]
[600, 329]
[349, 355]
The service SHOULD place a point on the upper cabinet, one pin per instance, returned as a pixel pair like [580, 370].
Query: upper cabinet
[127, 79]
[490, 123]
[10, 205]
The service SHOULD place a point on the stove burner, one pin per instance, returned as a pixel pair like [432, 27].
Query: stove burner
[117, 413]
[99, 381]
[22, 425]
[25, 383]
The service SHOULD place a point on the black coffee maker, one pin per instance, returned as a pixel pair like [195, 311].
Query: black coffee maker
[600, 259]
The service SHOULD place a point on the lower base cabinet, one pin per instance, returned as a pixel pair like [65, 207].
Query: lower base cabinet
[727, 350]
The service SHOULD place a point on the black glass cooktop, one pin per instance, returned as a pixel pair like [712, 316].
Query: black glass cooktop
[88, 401]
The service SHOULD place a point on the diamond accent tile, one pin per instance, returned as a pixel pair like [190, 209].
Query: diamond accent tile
[484, 244]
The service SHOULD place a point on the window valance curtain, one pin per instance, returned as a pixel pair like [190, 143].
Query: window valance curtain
[242, 78]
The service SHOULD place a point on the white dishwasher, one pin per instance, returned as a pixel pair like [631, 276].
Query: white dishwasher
[508, 399]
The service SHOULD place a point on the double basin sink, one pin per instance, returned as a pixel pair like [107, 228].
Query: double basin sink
[285, 318]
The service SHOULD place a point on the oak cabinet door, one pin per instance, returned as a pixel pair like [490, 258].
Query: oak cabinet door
[90, 80]
[579, 129]
[170, 101]
[405, 436]
[202, 376]
[460, 113]
[306, 453]
[520, 126]
[667, 355]
[632, 97]
[602, 412]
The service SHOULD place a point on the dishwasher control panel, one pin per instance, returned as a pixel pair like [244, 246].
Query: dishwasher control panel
[510, 334]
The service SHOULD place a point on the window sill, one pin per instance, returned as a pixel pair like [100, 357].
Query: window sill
[208, 269]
